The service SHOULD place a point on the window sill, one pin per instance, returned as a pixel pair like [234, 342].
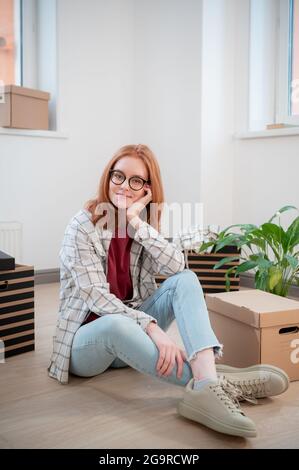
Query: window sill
[33, 133]
[270, 133]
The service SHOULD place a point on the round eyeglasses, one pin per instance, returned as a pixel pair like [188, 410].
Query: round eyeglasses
[135, 182]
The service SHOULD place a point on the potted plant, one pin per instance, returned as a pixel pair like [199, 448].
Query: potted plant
[268, 249]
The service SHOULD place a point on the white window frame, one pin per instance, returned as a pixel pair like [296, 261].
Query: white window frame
[39, 50]
[262, 56]
[28, 10]
[18, 42]
[282, 91]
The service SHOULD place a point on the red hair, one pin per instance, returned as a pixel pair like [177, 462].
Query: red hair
[147, 156]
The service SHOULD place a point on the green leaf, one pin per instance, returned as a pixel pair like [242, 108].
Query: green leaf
[280, 211]
[264, 281]
[259, 242]
[284, 263]
[293, 261]
[204, 246]
[275, 276]
[263, 234]
[261, 261]
[246, 266]
[276, 232]
[227, 284]
[249, 227]
[293, 234]
[242, 227]
[243, 240]
[229, 240]
[279, 289]
[256, 279]
[226, 260]
[261, 280]
[227, 279]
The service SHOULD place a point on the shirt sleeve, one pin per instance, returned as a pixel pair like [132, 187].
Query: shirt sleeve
[86, 268]
[193, 237]
[166, 257]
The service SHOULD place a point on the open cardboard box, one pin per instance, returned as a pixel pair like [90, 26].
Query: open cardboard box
[256, 327]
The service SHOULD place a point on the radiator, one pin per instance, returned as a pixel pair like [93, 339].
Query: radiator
[11, 239]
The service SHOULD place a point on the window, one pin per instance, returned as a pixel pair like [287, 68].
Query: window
[288, 63]
[294, 59]
[20, 34]
[10, 42]
[28, 47]
[273, 63]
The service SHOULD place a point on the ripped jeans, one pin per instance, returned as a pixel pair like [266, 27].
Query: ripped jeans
[118, 341]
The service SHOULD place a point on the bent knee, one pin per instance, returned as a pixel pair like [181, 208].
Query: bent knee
[117, 323]
[187, 275]
[187, 279]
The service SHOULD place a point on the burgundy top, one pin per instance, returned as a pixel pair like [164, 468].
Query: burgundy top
[118, 275]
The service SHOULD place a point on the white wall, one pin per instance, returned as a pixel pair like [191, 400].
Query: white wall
[171, 74]
[168, 100]
[218, 110]
[265, 179]
[265, 170]
[128, 72]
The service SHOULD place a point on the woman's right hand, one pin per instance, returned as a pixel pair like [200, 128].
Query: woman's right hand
[169, 352]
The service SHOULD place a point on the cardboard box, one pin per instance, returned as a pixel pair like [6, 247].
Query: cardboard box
[24, 108]
[6, 261]
[256, 327]
[16, 311]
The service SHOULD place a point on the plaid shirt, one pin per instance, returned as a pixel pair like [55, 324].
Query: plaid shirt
[83, 282]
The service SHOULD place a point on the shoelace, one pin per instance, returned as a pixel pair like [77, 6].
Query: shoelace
[226, 393]
[243, 390]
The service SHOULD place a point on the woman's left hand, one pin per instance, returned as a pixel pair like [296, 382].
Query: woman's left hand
[136, 208]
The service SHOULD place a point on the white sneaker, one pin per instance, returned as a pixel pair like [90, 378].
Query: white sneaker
[258, 381]
[215, 408]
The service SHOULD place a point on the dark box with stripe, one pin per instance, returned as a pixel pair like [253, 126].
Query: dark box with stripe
[6, 261]
[17, 310]
[211, 280]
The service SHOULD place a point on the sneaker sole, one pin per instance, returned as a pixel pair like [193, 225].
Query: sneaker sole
[258, 367]
[196, 415]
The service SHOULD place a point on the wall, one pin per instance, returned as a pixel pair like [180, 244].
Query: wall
[218, 110]
[265, 178]
[171, 74]
[264, 169]
[128, 72]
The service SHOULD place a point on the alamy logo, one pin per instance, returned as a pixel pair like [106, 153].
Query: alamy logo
[295, 354]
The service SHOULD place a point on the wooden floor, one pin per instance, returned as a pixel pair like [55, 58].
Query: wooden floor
[120, 408]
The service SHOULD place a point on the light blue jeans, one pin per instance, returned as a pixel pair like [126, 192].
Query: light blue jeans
[118, 341]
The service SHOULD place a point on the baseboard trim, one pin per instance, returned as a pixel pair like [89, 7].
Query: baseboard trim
[45, 276]
[247, 280]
